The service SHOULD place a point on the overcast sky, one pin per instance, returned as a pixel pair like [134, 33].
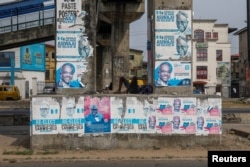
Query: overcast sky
[231, 12]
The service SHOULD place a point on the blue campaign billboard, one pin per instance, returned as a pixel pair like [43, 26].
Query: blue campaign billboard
[33, 57]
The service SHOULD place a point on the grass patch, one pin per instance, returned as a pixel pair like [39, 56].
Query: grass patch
[24, 152]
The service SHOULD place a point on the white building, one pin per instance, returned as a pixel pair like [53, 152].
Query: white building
[26, 75]
[211, 57]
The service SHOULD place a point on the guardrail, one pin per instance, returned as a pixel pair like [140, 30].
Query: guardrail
[26, 25]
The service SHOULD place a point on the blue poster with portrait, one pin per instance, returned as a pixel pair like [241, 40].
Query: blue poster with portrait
[69, 74]
[172, 73]
[33, 57]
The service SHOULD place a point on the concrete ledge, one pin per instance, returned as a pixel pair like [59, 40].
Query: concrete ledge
[128, 141]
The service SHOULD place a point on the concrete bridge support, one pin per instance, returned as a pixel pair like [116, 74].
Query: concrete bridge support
[120, 14]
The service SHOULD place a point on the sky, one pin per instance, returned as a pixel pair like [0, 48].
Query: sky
[231, 12]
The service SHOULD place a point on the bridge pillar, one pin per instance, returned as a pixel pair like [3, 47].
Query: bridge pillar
[120, 14]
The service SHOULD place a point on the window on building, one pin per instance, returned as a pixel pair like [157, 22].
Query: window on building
[47, 75]
[131, 57]
[208, 35]
[47, 54]
[201, 72]
[199, 35]
[53, 55]
[201, 54]
[218, 55]
[215, 35]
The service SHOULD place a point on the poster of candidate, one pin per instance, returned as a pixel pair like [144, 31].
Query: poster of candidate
[72, 43]
[187, 124]
[69, 74]
[133, 112]
[73, 46]
[172, 47]
[33, 57]
[172, 73]
[72, 115]
[223, 73]
[147, 119]
[173, 22]
[97, 115]
[117, 114]
[46, 118]
[172, 34]
[208, 125]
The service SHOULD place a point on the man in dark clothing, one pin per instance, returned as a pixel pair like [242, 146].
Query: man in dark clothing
[132, 87]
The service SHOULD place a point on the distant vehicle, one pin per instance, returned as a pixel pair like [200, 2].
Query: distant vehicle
[9, 92]
[48, 89]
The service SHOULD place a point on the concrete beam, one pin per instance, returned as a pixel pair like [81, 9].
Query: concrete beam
[27, 36]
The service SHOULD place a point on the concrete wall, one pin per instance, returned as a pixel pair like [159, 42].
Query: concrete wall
[63, 122]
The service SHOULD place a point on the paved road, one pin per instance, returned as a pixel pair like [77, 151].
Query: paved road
[114, 163]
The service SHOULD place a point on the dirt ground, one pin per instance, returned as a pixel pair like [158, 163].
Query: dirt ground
[16, 149]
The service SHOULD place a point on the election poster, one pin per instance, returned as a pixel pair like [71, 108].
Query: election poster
[97, 115]
[73, 46]
[117, 107]
[173, 22]
[214, 107]
[45, 115]
[72, 115]
[173, 35]
[223, 73]
[147, 121]
[68, 14]
[69, 74]
[72, 43]
[162, 123]
[187, 124]
[208, 125]
[172, 47]
[33, 57]
[165, 106]
[188, 105]
[172, 73]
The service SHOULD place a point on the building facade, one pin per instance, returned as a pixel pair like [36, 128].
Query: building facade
[244, 70]
[211, 57]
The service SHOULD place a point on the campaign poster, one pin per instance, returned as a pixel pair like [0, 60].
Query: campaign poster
[73, 46]
[147, 121]
[69, 74]
[33, 57]
[118, 110]
[97, 115]
[45, 115]
[133, 109]
[172, 47]
[187, 124]
[165, 106]
[223, 73]
[172, 35]
[188, 105]
[163, 123]
[72, 43]
[208, 125]
[172, 73]
[72, 115]
[183, 124]
[214, 107]
[173, 21]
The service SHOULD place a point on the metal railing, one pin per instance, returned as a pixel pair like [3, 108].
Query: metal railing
[26, 25]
